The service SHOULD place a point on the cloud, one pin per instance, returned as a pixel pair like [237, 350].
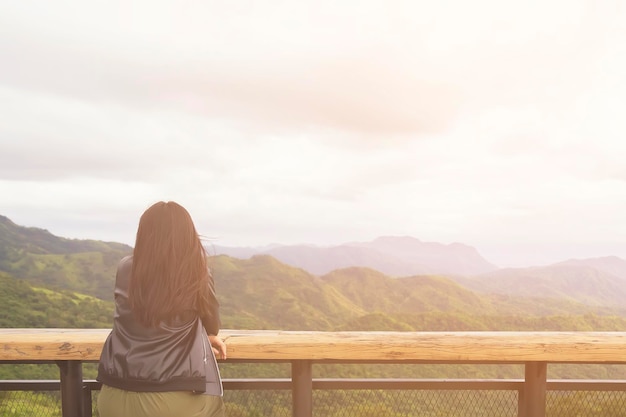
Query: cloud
[297, 67]
[316, 120]
[341, 80]
[50, 137]
[364, 94]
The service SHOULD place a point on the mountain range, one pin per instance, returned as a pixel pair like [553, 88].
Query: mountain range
[586, 281]
[593, 281]
[391, 255]
[259, 290]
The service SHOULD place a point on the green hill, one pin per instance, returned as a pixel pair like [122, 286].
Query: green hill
[439, 304]
[418, 294]
[15, 240]
[26, 306]
[42, 259]
[262, 293]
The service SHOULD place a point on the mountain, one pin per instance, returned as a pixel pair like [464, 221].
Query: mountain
[261, 292]
[573, 280]
[452, 259]
[16, 239]
[610, 264]
[408, 295]
[24, 305]
[37, 256]
[394, 256]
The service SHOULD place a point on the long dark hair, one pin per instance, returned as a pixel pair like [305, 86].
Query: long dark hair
[170, 276]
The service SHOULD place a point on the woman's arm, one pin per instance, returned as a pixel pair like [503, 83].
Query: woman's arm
[218, 345]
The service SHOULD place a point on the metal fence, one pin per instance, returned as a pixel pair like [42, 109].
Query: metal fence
[30, 398]
[564, 399]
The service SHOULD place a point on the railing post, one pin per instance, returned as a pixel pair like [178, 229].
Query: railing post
[87, 402]
[71, 388]
[533, 398]
[302, 388]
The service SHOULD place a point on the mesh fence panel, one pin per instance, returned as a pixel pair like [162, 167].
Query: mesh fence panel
[30, 404]
[340, 403]
[246, 403]
[401, 403]
[363, 403]
[586, 404]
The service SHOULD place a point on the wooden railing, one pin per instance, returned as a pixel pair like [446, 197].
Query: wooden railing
[69, 348]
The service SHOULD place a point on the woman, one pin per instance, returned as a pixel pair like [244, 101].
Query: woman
[161, 353]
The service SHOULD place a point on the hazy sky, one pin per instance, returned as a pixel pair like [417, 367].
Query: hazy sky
[498, 124]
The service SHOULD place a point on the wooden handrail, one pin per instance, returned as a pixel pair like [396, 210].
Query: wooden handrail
[70, 347]
[500, 347]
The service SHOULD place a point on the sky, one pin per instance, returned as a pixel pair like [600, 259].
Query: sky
[497, 124]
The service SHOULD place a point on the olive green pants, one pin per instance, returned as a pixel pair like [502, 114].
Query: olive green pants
[113, 402]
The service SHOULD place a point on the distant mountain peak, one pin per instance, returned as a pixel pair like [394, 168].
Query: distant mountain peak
[396, 239]
[392, 255]
[609, 258]
[613, 265]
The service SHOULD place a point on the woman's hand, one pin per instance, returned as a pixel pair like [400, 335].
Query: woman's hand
[218, 345]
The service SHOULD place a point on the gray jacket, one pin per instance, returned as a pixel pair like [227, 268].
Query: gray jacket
[175, 356]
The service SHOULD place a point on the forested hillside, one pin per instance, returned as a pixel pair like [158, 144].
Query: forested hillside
[42, 259]
[263, 293]
[24, 305]
[44, 274]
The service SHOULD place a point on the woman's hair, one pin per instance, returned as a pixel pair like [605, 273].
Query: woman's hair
[169, 272]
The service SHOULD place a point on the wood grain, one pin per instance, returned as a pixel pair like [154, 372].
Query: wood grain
[498, 347]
